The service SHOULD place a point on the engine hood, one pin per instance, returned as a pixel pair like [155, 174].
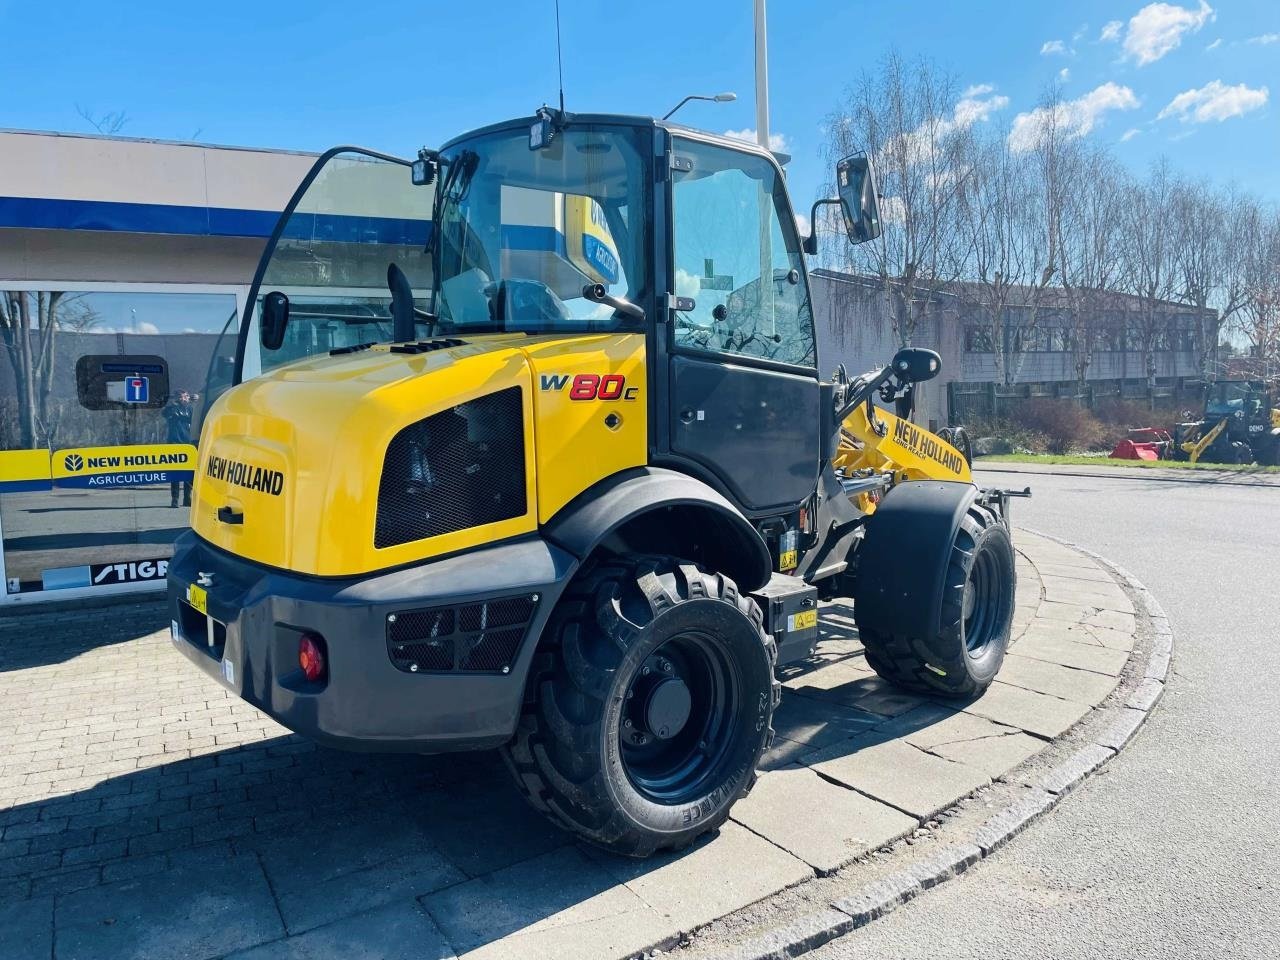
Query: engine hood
[291, 462]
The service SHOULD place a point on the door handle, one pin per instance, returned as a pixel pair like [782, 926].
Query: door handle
[230, 515]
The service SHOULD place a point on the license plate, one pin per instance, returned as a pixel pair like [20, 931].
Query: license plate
[802, 620]
[198, 597]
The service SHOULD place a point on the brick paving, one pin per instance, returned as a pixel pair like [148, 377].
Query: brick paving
[129, 779]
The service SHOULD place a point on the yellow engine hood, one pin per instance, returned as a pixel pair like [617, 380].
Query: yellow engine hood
[291, 462]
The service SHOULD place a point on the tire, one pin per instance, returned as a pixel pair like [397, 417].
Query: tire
[963, 657]
[601, 746]
[958, 437]
[1241, 452]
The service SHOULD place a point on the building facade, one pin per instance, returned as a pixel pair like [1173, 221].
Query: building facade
[1030, 352]
[124, 265]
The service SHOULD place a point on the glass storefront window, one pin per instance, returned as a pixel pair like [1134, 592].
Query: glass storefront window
[101, 396]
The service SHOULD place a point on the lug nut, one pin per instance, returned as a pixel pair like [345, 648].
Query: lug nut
[627, 724]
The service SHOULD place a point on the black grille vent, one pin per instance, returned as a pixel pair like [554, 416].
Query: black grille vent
[460, 468]
[475, 637]
[426, 346]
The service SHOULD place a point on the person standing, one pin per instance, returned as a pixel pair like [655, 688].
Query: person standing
[177, 412]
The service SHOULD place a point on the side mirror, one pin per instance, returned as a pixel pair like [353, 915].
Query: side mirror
[273, 318]
[856, 183]
[915, 365]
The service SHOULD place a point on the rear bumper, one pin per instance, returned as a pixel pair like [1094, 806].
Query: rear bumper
[256, 615]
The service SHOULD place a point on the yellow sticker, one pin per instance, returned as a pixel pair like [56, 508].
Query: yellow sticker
[804, 620]
[198, 597]
[787, 560]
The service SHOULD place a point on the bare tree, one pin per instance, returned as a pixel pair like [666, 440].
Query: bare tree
[1089, 244]
[108, 123]
[29, 343]
[993, 216]
[904, 117]
[1258, 319]
[1209, 228]
[1049, 147]
[1149, 269]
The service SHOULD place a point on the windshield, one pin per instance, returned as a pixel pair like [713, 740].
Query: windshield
[1226, 398]
[521, 232]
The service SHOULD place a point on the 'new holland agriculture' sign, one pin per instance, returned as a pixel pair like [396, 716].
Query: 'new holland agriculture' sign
[131, 466]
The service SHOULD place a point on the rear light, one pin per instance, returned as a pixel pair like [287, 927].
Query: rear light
[311, 656]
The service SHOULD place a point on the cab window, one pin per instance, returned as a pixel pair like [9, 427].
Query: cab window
[738, 258]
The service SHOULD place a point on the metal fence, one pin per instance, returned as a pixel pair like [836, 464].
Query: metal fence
[973, 402]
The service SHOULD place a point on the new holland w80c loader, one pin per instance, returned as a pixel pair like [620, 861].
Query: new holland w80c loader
[528, 448]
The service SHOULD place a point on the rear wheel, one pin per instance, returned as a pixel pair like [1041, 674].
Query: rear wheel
[648, 706]
[964, 654]
[1241, 452]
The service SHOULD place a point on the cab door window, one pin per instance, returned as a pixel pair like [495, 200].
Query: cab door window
[738, 258]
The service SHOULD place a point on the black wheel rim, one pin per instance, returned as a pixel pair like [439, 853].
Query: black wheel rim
[982, 612]
[674, 766]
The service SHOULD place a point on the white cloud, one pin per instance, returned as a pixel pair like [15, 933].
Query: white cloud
[1158, 28]
[1072, 118]
[1111, 32]
[893, 210]
[1215, 101]
[1215, 45]
[1050, 47]
[1264, 39]
[976, 104]
[1130, 134]
[150, 329]
[802, 225]
[777, 141]
[1080, 32]
[1064, 74]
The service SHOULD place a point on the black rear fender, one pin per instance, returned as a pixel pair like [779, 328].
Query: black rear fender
[657, 511]
[902, 562]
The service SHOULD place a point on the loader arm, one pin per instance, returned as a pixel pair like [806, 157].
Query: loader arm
[1196, 448]
[892, 444]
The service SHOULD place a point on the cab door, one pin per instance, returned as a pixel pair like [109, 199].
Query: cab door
[742, 379]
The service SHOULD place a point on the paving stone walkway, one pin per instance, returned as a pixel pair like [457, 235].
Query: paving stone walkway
[147, 813]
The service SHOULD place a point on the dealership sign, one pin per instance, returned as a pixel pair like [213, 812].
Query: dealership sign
[125, 466]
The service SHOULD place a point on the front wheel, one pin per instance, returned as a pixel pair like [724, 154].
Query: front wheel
[648, 706]
[965, 652]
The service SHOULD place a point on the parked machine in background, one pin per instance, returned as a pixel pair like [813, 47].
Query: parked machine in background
[1240, 423]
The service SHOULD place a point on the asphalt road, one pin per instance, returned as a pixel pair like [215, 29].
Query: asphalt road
[1174, 849]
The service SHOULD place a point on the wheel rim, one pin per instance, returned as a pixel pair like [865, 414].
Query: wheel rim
[679, 719]
[981, 604]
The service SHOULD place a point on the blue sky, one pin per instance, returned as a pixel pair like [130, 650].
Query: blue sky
[1189, 80]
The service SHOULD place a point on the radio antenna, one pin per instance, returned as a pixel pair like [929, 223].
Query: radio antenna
[559, 59]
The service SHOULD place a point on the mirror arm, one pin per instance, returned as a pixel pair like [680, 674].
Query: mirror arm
[597, 293]
[811, 241]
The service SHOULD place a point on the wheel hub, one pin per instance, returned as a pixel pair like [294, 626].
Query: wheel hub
[658, 704]
[667, 707]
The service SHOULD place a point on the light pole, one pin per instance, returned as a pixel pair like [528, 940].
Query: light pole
[762, 77]
[726, 97]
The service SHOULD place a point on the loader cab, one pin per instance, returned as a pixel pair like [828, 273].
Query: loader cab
[573, 225]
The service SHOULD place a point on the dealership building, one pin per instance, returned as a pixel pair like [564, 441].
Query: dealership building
[127, 262]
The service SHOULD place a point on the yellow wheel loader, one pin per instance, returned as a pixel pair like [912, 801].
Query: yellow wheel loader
[528, 448]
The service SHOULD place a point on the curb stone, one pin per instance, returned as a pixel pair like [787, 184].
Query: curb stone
[880, 897]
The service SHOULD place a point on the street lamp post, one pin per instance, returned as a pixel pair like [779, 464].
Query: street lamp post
[762, 77]
[726, 97]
